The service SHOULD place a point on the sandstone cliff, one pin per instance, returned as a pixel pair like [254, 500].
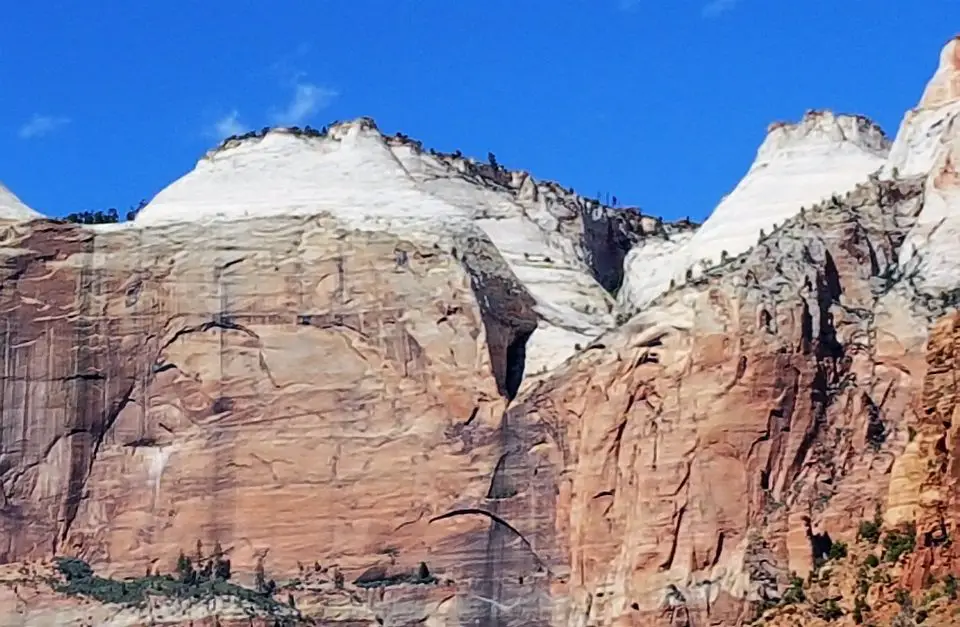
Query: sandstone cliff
[697, 439]
[905, 572]
[313, 352]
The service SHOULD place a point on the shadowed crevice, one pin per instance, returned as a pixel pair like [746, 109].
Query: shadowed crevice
[516, 363]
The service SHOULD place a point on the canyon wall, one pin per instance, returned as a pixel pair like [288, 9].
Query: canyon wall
[393, 386]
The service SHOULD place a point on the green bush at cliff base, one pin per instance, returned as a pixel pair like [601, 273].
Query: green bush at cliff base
[80, 580]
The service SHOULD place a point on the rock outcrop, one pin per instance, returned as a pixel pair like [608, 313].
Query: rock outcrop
[313, 353]
[12, 208]
[902, 567]
[696, 439]
[797, 165]
[929, 144]
[568, 251]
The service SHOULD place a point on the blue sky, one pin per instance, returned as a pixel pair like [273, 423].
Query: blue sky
[660, 102]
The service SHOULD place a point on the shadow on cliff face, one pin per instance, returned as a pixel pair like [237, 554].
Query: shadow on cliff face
[516, 359]
[508, 315]
[607, 238]
[509, 580]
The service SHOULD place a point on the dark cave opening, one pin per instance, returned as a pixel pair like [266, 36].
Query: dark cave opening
[607, 237]
[516, 362]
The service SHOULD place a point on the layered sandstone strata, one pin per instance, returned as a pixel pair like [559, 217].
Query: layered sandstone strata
[294, 389]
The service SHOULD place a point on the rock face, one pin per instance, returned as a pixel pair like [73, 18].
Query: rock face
[929, 469]
[695, 439]
[566, 250]
[12, 208]
[332, 384]
[929, 144]
[797, 165]
[864, 585]
[166, 385]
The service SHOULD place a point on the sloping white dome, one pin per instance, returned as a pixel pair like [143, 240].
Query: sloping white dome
[12, 208]
[350, 173]
[367, 181]
[797, 165]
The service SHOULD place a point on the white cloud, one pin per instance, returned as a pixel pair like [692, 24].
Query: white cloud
[40, 125]
[716, 8]
[228, 125]
[307, 100]
[286, 69]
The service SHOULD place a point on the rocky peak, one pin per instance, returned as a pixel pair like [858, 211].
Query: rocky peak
[363, 124]
[944, 87]
[346, 170]
[567, 250]
[12, 208]
[797, 165]
[928, 146]
[920, 139]
[821, 129]
[335, 130]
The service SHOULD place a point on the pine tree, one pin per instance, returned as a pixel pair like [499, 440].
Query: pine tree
[260, 579]
[423, 573]
[185, 571]
[221, 565]
[131, 214]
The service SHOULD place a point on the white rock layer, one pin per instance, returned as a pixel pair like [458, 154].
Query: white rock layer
[647, 266]
[350, 174]
[12, 208]
[797, 165]
[371, 182]
[524, 220]
[928, 144]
